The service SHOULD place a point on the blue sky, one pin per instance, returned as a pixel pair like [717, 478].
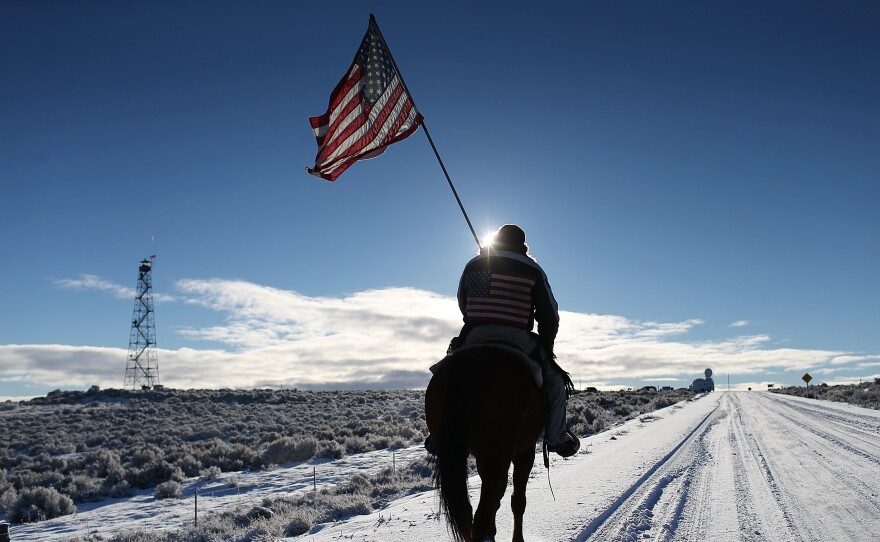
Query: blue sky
[699, 181]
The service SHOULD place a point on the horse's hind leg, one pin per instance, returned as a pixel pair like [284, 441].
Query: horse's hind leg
[522, 466]
[493, 476]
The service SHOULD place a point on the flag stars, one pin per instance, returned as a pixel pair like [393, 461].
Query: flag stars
[377, 67]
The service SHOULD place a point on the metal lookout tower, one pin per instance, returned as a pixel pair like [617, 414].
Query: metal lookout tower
[142, 368]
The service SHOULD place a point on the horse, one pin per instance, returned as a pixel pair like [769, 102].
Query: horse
[482, 401]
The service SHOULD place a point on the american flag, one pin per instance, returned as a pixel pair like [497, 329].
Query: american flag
[369, 110]
[499, 297]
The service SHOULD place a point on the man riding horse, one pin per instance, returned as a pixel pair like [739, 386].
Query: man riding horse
[502, 293]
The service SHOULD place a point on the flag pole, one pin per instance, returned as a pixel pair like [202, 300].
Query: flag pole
[428, 134]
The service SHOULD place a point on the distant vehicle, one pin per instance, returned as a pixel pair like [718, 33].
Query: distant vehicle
[666, 388]
[703, 385]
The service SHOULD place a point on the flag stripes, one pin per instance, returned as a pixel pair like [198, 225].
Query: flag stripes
[369, 110]
[499, 297]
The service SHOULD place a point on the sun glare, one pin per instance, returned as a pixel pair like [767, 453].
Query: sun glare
[489, 238]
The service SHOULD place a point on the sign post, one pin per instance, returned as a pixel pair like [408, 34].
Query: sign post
[806, 378]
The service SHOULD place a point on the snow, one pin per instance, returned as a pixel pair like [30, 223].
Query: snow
[142, 511]
[727, 466]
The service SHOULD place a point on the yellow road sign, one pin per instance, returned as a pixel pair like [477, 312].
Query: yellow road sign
[806, 378]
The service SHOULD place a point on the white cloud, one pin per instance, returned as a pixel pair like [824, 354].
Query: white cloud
[841, 360]
[386, 339]
[740, 323]
[94, 282]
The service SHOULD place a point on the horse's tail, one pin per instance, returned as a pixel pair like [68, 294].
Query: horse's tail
[451, 469]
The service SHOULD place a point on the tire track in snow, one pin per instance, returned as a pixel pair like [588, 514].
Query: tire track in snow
[774, 436]
[837, 438]
[634, 512]
[749, 524]
[804, 418]
[855, 450]
[765, 503]
[834, 412]
[695, 514]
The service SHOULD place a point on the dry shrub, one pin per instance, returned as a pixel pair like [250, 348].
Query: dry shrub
[167, 490]
[40, 503]
[290, 450]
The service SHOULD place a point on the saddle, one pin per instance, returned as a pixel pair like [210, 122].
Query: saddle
[531, 366]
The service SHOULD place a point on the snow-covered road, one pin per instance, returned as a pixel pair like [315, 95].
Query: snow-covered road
[724, 467]
[728, 466]
[759, 467]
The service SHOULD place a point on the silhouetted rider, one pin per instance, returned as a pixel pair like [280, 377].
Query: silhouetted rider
[502, 293]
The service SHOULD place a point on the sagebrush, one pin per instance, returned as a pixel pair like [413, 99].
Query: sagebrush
[87, 446]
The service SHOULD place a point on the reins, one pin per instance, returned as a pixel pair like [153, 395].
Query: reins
[546, 452]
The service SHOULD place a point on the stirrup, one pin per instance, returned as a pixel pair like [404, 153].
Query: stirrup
[568, 446]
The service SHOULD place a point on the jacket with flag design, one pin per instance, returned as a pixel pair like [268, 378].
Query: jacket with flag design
[509, 288]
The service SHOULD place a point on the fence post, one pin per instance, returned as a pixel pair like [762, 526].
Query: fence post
[196, 520]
